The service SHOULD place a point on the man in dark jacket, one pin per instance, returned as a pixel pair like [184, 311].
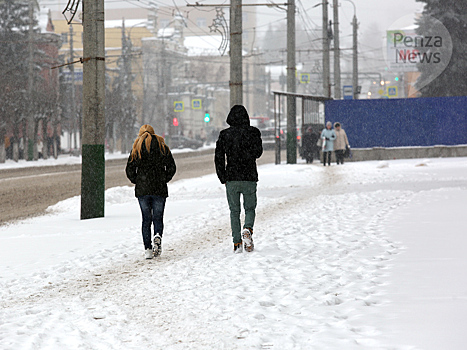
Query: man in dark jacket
[241, 144]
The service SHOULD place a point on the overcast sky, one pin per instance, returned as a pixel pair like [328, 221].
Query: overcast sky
[381, 11]
[370, 13]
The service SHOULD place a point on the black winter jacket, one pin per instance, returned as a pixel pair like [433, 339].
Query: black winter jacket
[309, 142]
[152, 171]
[241, 144]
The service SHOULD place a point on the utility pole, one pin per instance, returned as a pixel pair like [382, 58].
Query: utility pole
[291, 86]
[73, 100]
[247, 87]
[165, 75]
[126, 88]
[236, 85]
[337, 53]
[326, 59]
[93, 163]
[355, 58]
[31, 146]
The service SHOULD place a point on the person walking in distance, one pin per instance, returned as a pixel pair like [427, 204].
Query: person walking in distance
[341, 143]
[237, 149]
[309, 145]
[150, 167]
[328, 136]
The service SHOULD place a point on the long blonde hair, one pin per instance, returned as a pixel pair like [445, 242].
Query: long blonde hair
[146, 132]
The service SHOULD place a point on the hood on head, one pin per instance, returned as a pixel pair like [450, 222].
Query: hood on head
[238, 116]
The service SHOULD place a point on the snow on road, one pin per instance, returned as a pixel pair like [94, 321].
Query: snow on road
[368, 255]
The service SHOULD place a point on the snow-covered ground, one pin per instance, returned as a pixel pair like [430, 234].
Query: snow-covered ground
[368, 255]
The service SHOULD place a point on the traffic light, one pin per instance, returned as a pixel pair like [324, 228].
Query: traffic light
[175, 121]
[207, 117]
[396, 78]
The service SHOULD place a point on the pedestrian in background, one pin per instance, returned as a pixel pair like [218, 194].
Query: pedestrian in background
[341, 143]
[309, 145]
[328, 136]
[237, 149]
[150, 167]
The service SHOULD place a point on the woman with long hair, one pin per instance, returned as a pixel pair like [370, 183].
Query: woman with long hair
[150, 167]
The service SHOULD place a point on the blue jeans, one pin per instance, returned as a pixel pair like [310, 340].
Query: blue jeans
[152, 209]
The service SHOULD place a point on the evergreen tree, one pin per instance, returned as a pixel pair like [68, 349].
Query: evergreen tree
[453, 80]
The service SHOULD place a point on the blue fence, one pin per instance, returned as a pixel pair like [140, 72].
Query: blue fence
[401, 122]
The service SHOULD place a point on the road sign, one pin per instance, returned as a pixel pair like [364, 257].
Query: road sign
[196, 104]
[179, 106]
[304, 78]
[348, 92]
[392, 91]
[68, 76]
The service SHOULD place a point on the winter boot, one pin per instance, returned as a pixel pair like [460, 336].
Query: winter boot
[148, 253]
[157, 245]
[238, 248]
[247, 235]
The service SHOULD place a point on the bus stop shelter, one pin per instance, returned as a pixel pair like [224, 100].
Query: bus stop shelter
[310, 112]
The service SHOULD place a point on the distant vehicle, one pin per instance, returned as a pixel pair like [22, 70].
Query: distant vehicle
[266, 127]
[260, 122]
[179, 141]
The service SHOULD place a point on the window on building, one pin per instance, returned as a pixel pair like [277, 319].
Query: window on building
[201, 22]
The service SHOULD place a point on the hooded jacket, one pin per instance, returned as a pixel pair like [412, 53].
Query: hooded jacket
[152, 171]
[240, 145]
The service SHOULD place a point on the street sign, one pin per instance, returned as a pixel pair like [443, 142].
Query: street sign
[196, 104]
[392, 91]
[179, 106]
[67, 76]
[348, 92]
[304, 78]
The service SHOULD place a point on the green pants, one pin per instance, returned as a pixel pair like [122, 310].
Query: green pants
[234, 190]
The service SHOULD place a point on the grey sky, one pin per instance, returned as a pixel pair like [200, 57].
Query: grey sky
[381, 11]
[370, 13]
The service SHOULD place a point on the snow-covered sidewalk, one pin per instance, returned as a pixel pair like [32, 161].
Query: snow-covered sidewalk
[368, 255]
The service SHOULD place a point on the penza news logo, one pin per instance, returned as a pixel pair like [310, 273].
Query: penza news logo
[406, 49]
[416, 45]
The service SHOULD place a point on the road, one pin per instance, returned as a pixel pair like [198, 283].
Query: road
[27, 192]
